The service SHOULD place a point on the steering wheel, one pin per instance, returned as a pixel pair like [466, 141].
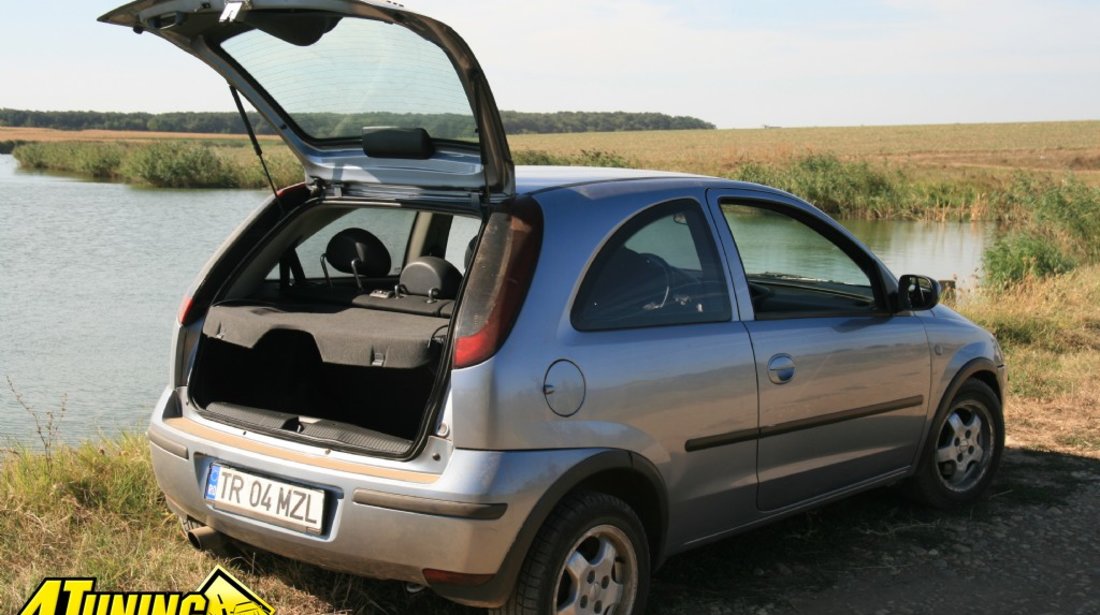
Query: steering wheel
[666, 269]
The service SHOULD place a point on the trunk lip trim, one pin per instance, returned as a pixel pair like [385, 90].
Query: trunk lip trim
[237, 442]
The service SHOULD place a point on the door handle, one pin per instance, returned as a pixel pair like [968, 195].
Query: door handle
[781, 368]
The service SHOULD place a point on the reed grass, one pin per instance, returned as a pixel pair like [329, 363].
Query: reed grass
[162, 164]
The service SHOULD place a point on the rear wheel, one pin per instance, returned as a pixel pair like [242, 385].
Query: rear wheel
[591, 556]
[963, 450]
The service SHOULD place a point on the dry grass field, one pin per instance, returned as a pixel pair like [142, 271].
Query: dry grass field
[51, 135]
[949, 149]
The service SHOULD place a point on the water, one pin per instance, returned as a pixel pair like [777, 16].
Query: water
[91, 275]
[942, 250]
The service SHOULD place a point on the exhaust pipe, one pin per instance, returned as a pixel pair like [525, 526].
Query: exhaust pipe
[205, 538]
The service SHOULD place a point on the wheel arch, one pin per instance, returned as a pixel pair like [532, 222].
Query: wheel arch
[989, 377]
[643, 489]
[622, 474]
[980, 368]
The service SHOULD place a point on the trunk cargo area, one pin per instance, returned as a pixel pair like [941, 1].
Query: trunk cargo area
[357, 376]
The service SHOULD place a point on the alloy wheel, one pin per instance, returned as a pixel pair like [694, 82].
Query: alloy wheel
[964, 449]
[600, 574]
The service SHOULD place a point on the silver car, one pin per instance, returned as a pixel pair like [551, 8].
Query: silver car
[526, 388]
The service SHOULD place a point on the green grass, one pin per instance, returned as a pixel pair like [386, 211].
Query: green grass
[94, 510]
[1055, 226]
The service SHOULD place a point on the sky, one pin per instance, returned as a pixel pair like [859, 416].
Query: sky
[735, 63]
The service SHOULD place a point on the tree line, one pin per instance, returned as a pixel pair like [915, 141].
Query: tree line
[515, 122]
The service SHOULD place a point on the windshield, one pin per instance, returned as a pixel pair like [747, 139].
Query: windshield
[361, 73]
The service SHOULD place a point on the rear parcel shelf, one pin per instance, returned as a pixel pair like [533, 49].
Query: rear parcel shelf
[343, 374]
[352, 336]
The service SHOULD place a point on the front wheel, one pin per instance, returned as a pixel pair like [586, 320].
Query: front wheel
[591, 556]
[963, 450]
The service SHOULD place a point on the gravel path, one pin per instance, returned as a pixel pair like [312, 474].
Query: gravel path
[1032, 548]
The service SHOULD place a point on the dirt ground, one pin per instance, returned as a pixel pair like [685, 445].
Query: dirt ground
[1033, 547]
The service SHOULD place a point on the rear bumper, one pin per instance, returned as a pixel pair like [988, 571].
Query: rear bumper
[380, 520]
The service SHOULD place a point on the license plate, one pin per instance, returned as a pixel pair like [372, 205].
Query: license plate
[283, 504]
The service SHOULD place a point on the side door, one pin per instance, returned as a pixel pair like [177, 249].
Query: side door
[656, 334]
[844, 381]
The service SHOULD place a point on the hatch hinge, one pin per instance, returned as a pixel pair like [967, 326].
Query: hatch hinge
[317, 188]
[336, 189]
[233, 9]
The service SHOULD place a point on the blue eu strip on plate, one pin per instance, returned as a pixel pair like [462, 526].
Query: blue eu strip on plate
[212, 482]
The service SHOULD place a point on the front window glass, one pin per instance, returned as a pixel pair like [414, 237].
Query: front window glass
[361, 73]
[792, 269]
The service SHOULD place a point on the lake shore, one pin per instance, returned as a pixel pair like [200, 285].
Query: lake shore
[947, 172]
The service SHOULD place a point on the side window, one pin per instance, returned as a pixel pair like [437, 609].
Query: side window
[792, 269]
[462, 231]
[391, 226]
[660, 268]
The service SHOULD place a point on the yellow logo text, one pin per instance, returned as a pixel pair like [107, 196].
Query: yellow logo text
[219, 594]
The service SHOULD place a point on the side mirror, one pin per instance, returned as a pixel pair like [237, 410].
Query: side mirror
[917, 292]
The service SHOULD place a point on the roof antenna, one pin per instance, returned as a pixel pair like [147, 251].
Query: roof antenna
[256, 146]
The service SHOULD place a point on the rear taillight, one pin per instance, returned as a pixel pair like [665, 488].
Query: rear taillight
[499, 278]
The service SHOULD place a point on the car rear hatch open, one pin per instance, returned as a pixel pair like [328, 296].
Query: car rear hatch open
[374, 100]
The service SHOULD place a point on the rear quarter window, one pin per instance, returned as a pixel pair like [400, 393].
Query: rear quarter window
[661, 268]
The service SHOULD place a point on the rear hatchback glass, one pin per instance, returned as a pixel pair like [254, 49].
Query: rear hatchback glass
[361, 73]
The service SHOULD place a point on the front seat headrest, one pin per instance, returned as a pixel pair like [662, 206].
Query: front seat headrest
[356, 244]
[426, 274]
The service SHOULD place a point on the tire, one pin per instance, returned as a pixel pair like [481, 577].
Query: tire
[581, 530]
[963, 449]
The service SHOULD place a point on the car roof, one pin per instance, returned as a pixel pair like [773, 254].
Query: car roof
[537, 178]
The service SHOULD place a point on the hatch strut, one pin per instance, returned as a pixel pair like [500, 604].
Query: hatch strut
[288, 265]
[256, 146]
